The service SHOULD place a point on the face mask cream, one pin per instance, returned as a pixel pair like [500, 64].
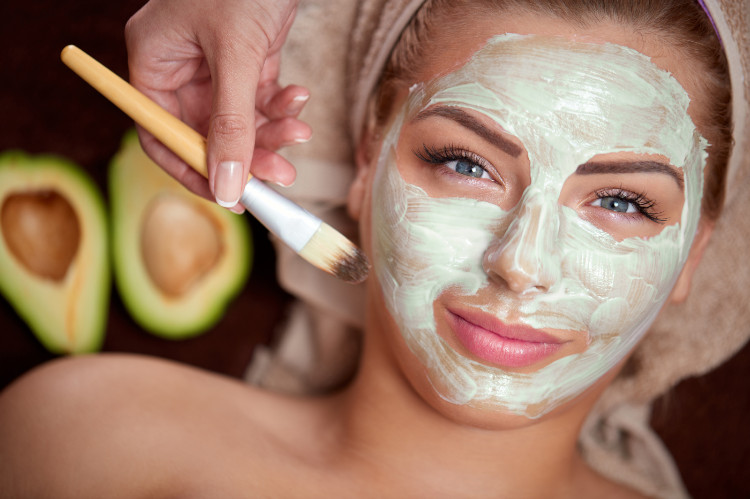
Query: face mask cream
[566, 102]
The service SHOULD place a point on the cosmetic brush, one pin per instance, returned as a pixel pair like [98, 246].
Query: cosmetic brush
[315, 241]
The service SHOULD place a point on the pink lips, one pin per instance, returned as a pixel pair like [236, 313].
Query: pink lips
[502, 344]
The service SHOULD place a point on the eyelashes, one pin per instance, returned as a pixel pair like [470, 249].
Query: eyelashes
[451, 153]
[642, 204]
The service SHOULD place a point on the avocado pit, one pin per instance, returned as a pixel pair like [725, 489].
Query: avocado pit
[42, 231]
[180, 243]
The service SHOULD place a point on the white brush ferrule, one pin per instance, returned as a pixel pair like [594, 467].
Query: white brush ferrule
[288, 221]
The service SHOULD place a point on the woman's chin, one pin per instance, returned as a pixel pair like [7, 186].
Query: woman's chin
[494, 414]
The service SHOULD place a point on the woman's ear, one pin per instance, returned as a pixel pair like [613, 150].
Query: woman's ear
[362, 158]
[682, 287]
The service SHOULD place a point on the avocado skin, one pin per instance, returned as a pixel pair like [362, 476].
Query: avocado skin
[135, 182]
[67, 315]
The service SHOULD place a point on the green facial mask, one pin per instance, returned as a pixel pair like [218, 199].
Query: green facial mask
[566, 102]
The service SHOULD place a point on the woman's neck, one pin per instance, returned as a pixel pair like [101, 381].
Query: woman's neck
[385, 419]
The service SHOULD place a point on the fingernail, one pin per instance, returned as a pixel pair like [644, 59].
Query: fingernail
[228, 184]
[296, 104]
[281, 184]
[296, 141]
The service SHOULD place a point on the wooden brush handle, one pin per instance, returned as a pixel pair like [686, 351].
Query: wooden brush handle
[173, 133]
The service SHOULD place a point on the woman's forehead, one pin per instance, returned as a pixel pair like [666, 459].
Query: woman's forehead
[574, 98]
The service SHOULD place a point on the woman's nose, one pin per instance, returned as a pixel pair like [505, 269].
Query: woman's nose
[527, 256]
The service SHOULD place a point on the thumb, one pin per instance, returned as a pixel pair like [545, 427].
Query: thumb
[231, 132]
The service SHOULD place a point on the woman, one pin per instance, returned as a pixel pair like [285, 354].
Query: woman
[559, 230]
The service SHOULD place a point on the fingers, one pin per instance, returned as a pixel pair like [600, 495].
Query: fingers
[268, 165]
[275, 103]
[232, 136]
[215, 65]
[231, 132]
[285, 132]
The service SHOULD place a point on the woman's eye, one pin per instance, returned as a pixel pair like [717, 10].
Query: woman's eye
[468, 168]
[456, 159]
[613, 203]
[622, 201]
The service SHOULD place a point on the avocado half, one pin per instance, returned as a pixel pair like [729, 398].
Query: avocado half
[178, 259]
[54, 257]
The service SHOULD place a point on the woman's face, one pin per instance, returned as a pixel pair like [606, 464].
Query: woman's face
[532, 210]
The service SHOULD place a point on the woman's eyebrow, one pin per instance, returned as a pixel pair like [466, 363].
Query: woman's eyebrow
[604, 167]
[471, 123]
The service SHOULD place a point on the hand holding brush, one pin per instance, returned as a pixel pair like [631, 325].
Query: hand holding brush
[312, 239]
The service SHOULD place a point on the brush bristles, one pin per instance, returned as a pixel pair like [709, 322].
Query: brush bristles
[330, 251]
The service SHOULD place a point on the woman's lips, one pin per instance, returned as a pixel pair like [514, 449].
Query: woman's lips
[504, 345]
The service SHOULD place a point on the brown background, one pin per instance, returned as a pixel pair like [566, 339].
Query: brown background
[44, 107]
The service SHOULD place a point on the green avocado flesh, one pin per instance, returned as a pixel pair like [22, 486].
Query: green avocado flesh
[178, 259]
[54, 266]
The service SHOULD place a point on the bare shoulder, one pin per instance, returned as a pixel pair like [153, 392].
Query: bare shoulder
[109, 425]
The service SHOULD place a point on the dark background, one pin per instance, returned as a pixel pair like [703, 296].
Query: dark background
[45, 108]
